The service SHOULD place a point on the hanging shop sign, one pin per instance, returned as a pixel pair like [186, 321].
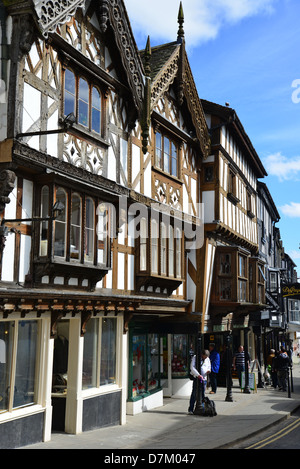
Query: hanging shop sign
[291, 290]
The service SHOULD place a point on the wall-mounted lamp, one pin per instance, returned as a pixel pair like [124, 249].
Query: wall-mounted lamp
[57, 208]
[66, 123]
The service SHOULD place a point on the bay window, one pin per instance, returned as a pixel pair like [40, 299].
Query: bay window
[79, 236]
[160, 254]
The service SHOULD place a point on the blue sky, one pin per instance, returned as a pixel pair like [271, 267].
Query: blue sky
[245, 52]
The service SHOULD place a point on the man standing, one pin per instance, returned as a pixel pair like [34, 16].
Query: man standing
[215, 365]
[282, 365]
[202, 377]
[239, 363]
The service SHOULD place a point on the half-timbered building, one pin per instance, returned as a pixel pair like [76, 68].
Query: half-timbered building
[100, 151]
[228, 190]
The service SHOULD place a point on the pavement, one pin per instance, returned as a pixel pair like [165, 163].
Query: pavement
[171, 428]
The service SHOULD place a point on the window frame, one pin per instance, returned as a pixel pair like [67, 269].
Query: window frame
[79, 99]
[97, 244]
[98, 356]
[13, 368]
[167, 153]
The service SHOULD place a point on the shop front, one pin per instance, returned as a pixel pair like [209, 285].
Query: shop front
[159, 361]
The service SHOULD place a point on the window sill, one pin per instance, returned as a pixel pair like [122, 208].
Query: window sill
[232, 198]
[156, 281]
[167, 175]
[60, 268]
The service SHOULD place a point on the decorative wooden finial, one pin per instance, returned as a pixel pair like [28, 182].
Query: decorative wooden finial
[147, 58]
[180, 34]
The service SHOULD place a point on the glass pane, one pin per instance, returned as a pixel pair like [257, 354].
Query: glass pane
[180, 355]
[89, 230]
[44, 224]
[225, 264]
[163, 249]
[174, 160]
[83, 103]
[60, 226]
[75, 235]
[90, 354]
[153, 365]
[102, 233]
[166, 154]
[138, 365]
[143, 244]
[108, 351]
[6, 347]
[225, 289]
[158, 152]
[96, 111]
[178, 253]
[25, 382]
[70, 81]
[70, 92]
[171, 251]
[154, 246]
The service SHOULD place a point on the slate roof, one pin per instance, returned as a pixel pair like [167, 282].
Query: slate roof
[159, 56]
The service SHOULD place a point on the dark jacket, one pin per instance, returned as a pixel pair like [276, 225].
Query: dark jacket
[215, 361]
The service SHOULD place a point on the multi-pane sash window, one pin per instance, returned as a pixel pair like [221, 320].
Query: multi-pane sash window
[166, 250]
[84, 100]
[166, 154]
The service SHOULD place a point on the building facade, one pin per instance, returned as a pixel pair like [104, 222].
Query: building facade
[129, 225]
[101, 148]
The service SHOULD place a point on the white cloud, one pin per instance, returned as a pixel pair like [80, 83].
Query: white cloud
[203, 18]
[294, 254]
[282, 167]
[291, 210]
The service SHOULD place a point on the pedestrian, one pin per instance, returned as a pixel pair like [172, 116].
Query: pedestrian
[239, 363]
[200, 378]
[215, 366]
[282, 366]
[271, 362]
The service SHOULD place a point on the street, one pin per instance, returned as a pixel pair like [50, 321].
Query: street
[285, 435]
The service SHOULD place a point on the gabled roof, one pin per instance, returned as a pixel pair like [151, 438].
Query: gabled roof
[163, 65]
[48, 15]
[159, 57]
[229, 117]
[262, 187]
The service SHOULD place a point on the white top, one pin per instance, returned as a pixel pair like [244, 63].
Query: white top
[205, 368]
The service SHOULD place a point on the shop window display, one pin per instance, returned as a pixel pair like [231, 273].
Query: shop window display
[18, 359]
[180, 356]
[146, 364]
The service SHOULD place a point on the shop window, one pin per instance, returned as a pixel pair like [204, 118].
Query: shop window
[166, 154]
[180, 356]
[100, 353]
[19, 349]
[84, 100]
[146, 364]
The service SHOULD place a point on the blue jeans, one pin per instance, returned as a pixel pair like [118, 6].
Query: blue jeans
[194, 393]
[213, 381]
[239, 370]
